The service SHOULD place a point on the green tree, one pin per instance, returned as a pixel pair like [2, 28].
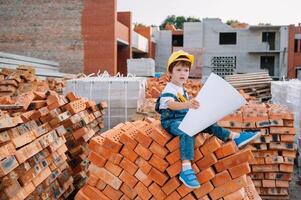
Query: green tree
[177, 21]
[232, 21]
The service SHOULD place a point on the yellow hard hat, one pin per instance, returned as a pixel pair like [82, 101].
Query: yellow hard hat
[180, 56]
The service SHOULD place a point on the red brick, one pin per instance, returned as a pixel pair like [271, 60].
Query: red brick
[142, 191]
[81, 196]
[197, 155]
[114, 169]
[128, 166]
[283, 184]
[173, 157]
[210, 146]
[144, 178]
[158, 136]
[221, 178]
[7, 150]
[207, 161]
[158, 163]
[157, 192]
[129, 154]
[93, 193]
[205, 175]
[174, 144]
[92, 180]
[227, 149]
[142, 137]
[229, 187]
[158, 177]
[96, 145]
[105, 176]
[277, 176]
[199, 140]
[128, 179]
[257, 175]
[110, 141]
[173, 196]
[189, 197]
[115, 158]
[174, 169]
[171, 185]
[265, 168]
[143, 152]
[287, 138]
[288, 153]
[100, 185]
[183, 190]
[128, 141]
[286, 167]
[7, 165]
[128, 191]
[76, 106]
[233, 160]
[143, 165]
[240, 170]
[238, 195]
[112, 193]
[97, 159]
[268, 183]
[157, 149]
[203, 190]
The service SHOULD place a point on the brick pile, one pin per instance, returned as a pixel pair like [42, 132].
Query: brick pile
[274, 150]
[56, 84]
[140, 160]
[23, 79]
[42, 135]
[156, 85]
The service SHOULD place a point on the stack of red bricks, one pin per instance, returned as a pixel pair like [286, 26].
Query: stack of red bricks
[56, 84]
[39, 137]
[156, 85]
[23, 79]
[140, 160]
[274, 150]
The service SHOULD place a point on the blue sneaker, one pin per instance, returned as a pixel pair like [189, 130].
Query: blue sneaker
[245, 137]
[189, 179]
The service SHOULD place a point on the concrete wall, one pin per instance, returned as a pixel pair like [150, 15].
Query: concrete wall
[163, 49]
[42, 29]
[193, 35]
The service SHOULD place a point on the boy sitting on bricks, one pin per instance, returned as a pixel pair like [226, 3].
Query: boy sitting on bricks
[174, 103]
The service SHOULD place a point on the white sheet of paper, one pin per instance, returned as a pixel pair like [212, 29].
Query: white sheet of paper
[217, 99]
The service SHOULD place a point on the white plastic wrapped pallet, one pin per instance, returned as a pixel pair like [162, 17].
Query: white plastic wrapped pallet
[141, 66]
[123, 95]
[288, 93]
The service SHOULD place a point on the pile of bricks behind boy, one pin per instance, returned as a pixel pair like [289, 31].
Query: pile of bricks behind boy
[156, 85]
[274, 150]
[23, 79]
[140, 160]
[40, 141]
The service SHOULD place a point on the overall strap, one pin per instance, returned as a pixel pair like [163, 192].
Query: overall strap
[169, 95]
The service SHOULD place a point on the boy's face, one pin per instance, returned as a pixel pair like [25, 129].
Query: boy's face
[179, 74]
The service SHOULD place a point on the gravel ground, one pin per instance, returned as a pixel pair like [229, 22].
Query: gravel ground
[295, 187]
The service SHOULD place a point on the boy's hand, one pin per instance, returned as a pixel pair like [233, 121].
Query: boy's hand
[193, 103]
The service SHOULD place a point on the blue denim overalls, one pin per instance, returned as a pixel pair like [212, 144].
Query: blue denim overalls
[171, 119]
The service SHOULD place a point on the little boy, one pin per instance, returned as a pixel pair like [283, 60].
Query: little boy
[173, 105]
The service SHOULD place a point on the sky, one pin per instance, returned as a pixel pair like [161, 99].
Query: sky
[253, 12]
